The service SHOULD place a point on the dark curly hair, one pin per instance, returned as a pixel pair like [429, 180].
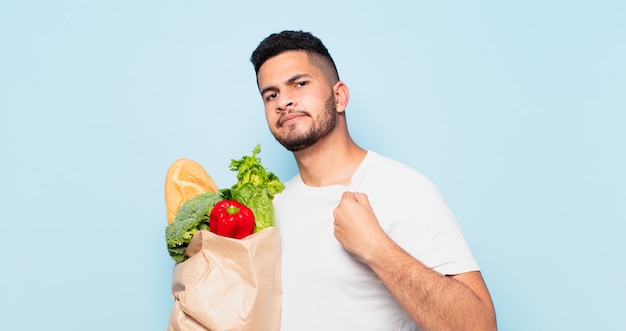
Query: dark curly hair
[284, 41]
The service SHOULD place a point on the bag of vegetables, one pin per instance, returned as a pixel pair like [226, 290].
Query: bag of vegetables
[227, 248]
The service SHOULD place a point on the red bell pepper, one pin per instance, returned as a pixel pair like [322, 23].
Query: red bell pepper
[230, 218]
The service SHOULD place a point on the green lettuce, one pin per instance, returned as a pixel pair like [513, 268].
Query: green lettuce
[255, 188]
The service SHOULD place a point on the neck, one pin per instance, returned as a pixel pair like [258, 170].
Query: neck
[330, 161]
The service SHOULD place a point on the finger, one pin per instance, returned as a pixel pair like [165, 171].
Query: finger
[347, 199]
[362, 199]
[347, 195]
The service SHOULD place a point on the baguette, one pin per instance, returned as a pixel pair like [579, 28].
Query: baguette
[185, 179]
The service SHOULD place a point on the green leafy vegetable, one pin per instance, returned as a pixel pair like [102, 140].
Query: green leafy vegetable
[250, 170]
[255, 188]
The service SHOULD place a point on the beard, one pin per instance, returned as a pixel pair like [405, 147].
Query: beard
[295, 141]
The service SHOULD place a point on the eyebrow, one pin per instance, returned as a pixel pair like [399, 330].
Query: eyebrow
[289, 81]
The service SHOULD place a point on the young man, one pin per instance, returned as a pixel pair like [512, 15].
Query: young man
[367, 242]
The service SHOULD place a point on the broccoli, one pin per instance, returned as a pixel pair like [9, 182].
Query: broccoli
[192, 216]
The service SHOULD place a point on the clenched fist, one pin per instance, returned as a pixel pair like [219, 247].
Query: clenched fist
[356, 225]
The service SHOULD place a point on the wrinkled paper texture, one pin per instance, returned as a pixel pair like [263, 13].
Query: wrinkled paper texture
[228, 284]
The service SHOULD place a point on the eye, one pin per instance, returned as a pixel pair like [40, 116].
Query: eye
[302, 83]
[271, 96]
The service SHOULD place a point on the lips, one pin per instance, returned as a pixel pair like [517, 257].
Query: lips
[288, 117]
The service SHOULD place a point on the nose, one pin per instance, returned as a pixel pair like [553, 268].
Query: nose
[285, 101]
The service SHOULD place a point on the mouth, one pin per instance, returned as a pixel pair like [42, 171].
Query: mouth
[289, 117]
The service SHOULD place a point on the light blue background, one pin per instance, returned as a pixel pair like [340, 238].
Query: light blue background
[515, 109]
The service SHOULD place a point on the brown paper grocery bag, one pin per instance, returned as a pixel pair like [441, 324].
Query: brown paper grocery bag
[228, 284]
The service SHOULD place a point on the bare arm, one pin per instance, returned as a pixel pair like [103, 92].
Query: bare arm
[432, 300]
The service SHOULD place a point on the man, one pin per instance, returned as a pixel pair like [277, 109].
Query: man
[367, 243]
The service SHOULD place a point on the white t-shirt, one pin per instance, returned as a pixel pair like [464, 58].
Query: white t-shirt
[327, 288]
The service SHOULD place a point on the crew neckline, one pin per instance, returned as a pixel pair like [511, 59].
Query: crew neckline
[356, 177]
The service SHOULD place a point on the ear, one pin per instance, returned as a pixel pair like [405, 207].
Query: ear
[342, 96]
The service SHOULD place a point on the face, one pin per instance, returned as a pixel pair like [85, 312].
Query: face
[299, 102]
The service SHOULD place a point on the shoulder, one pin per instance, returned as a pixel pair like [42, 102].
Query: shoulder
[385, 170]
[389, 182]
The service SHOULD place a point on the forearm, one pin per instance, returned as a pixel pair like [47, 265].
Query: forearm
[433, 301]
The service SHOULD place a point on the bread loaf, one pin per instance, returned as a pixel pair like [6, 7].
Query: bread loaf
[185, 179]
